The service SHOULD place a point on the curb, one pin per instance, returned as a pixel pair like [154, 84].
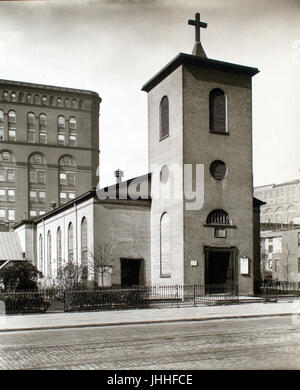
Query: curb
[143, 322]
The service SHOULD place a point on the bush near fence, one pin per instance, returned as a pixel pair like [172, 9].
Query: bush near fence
[104, 299]
[16, 303]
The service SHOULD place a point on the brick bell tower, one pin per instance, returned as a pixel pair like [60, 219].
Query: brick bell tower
[200, 115]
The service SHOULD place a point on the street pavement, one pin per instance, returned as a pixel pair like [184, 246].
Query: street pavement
[268, 343]
[143, 316]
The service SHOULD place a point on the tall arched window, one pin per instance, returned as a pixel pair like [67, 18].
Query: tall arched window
[217, 111]
[61, 130]
[74, 103]
[165, 246]
[218, 217]
[13, 97]
[67, 102]
[41, 252]
[49, 259]
[84, 246]
[31, 127]
[164, 117]
[43, 128]
[36, 99]
[44, 99]
[72, 131]
[37, 184]
[12, 125]
[58, 249]
[67, 178]
[291, 211]
[59, 102]
[70, 243]
[2, 130]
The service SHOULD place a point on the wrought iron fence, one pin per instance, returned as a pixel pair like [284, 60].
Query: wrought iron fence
[275, 290]
[55, 300]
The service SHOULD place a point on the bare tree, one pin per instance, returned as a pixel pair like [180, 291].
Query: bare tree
[71, 276]
[102, 258]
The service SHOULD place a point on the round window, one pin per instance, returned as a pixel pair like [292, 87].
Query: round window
[164, 174]
[218, 170]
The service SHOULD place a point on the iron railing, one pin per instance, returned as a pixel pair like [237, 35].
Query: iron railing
[275, 290]
[56, 300]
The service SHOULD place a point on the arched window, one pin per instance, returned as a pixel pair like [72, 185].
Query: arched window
[21, 97]
[84, 246]
[70, 243]
[31, 127]
[218, 217]
[29, 98]
[44, 99]
[11, 117]
[41, 268]
[36, 99]
[67, 102]
[217, 111]
[43, 128]
[61, 128]
[13, 97]
[80, 104]
[72, 131]
[49, 259]
[51, 100]
[74, 103]
[59, 249]
[279, 215]
[37, 183]
[165, 246]
[5, 96]
[11, 125]
[59, 102]
[164, 117]
[67, 178]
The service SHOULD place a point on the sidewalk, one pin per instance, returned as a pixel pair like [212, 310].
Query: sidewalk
[143, 316]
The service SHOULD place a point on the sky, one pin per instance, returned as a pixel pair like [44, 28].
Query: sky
[114, 47]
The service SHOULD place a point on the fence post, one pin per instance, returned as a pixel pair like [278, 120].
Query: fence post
[194, 295]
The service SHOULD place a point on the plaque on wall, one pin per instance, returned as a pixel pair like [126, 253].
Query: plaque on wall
[244, 266]
[194, 263]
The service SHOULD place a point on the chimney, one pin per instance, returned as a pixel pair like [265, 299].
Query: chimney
[118, 175]
[53, 205]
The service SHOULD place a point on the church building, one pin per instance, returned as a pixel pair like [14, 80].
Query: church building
[192, 218]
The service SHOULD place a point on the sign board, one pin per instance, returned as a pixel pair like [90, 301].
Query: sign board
[244, 266]
[194, 263]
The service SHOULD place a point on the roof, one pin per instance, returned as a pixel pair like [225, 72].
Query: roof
[49, 87]
[116, 189]
[200, 62]
[258, 202]
[297, 181]
[10, 247]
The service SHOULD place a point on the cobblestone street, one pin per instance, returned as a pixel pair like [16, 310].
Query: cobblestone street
[269, 343]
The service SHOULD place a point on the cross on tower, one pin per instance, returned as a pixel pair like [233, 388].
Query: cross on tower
[198, 24]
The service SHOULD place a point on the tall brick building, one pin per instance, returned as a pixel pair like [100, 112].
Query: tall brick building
[49, 147]
[282, 202]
